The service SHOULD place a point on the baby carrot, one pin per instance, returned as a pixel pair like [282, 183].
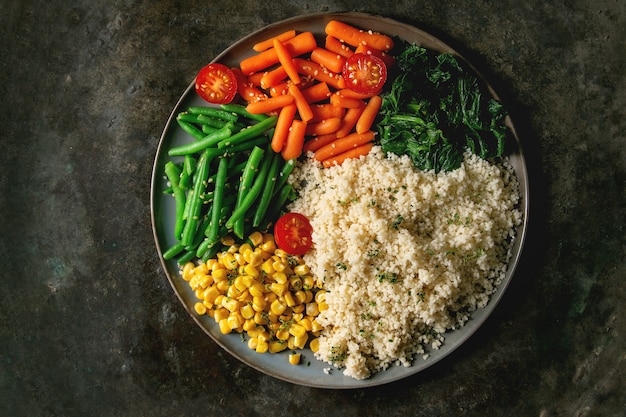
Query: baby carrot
[347, 92]
[321, 74]
[349, 121]
[355, 37]
[279, 89]
[324, 127]
[352, 153]
[335, 45]
[269, 105]
[343, 144]
[298, 45]
[295, 140]
[246, 89]
[345, 102]
[317, 142]
[286, 61]
[283, 123]
[317, 92]
[268, 43]
[326, 111]
[304, 109]
[366, 120]
[328, 59]
[273, 77]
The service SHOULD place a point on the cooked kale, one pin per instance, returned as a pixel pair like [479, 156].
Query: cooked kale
[435, 109]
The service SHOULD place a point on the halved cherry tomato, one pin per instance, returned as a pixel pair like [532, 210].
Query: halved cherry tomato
[216, 83]
[364, 73]
[292, 233]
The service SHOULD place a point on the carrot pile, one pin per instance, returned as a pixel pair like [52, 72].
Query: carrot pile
[297, 79]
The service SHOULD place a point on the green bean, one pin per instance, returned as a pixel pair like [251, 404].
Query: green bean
[250, 196]
[202, 144]
[279, 200]
[214, 112]
[218, 196]
[249, 132]
[173, 174]
[173, 250]
[199, 188]
[207, 130]
[247, 177]
[236, 149]
[268, 190]
[241, 110]
[188, 256]
[284, 174]
[189, 117]
[190, 164]
[196, 133]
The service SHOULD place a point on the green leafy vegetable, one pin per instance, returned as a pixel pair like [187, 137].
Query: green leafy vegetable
[436, 109]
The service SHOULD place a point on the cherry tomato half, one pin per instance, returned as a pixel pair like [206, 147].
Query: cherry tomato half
[364, 73]
[216, 83]
[292, 233]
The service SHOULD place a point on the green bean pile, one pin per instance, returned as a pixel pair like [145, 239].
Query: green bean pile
[229, 180]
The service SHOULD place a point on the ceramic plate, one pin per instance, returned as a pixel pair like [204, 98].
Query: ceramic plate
[163, 214]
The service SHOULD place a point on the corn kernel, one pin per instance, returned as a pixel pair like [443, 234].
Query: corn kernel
[301, 269]
[261, 318]
[277, 307]
[222, 286]
[219, 274]
[201, 269]
[200, 308]
[262, 346]
[316, 326]
[300, 296]
[210, 294]
[205, 281]
[320, 296]
[282, 334]
[300, 341]
[220, 314]
[279, 289]
[268, 267]
[227, 240]
[252, 343]
[314, 345]
[297, 330]
[306, 323]
[247, 312]
[289, 299]
[322, 306]
[224, 326]
[188, 271]
[294, 358]
[251, 270]
[258, 304]
[295, 283]
[277, 346]
[279, 266]
[307, 282]
[248, 324]
[256, 289]
[298, 308]
[234, 321]
[268, 246]
[312, 309]
[229, 261]
[230, 304]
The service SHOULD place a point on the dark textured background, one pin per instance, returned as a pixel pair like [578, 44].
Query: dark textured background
[90, 326]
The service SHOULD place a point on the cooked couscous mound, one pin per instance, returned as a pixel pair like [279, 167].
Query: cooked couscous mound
[404, 255]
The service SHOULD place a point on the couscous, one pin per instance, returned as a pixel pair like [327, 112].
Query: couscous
[404, 255]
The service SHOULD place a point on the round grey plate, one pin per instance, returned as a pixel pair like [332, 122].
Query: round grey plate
[163, 214]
